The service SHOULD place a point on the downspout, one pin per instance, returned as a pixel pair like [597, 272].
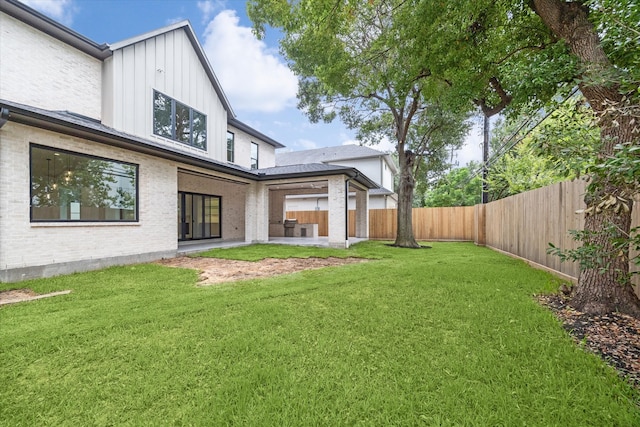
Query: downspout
[346, 211]
[4, 116]
[346, 208]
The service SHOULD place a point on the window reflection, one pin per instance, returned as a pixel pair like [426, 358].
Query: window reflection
[177, 121]
[68, 186]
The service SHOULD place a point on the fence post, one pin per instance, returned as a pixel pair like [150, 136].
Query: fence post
[480, 225]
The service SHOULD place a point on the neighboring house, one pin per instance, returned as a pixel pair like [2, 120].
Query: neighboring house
[121, 153]
[376, 165]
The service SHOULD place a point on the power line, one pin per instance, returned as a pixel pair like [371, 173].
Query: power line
[506, 147]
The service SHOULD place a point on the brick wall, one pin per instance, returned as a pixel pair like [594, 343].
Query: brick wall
[233, 200]
[39, 70]
[24, 244]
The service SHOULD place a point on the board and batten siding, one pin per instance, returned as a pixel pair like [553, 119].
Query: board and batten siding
[169, 64]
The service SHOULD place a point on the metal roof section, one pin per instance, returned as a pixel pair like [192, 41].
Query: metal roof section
[381, 192]
[313, 170]
[54, 29]
[253, 132]
[332, 154]
[72, 124]
[197, 47]
[76, 125]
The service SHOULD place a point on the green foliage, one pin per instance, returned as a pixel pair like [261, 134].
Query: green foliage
[561, 146]
[456, 188]
[416, 337]
[618, 22]
[362, 62]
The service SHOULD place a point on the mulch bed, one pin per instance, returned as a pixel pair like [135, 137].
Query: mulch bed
[614, 337]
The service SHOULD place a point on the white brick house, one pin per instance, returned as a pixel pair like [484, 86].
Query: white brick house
[113, 154]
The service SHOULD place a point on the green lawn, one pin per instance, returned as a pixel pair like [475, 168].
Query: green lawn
[436, 337]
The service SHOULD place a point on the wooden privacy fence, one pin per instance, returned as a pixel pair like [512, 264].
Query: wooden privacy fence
[456, 223]
[522, 225]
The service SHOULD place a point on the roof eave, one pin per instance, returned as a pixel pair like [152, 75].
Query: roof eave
[31, 118]
[54, 29]
[191, 35]
[253, 132]
[352, 173]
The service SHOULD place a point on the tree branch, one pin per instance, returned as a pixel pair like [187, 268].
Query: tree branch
[505, 99]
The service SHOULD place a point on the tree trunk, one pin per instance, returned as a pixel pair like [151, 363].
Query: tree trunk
[605, 288]
[406, 184]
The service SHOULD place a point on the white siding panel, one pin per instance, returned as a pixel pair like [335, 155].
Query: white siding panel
[128, 89]
[370, 167]
[167, 63]
[139, 88]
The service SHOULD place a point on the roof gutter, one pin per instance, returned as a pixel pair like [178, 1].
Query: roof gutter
[4, 116]
[34, 119]
[16, 114]
[56, 30]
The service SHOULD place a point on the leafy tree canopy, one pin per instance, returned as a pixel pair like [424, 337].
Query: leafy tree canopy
[459, 187]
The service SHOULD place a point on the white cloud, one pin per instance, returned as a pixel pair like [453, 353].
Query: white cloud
[171, 21]
[208, 8]
[252, 78]
[60, 10]
[306, 144]
[472, 148]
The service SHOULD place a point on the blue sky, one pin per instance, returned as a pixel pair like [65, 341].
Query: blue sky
[255, 78]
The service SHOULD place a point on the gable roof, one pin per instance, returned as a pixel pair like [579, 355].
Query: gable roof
[66, 35]
[332, 154]
[191, 35]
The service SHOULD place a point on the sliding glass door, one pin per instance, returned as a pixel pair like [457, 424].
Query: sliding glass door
[198, 216]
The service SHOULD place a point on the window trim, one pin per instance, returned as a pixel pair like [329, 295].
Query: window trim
[231, 153]
[182, 195]
[173, 136]
[78, 221]
[257, 158]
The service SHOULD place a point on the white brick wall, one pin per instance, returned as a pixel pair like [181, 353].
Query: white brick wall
[266, 152]
[38, 70]
[25, 244]
[337, 205]
[233, 201]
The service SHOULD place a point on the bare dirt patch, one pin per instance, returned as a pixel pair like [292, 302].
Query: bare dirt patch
[214, 270]
[13, 296]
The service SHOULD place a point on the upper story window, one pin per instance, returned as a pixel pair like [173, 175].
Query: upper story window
[254, 155]
[230, 146]
[67, 186]
[174, 120]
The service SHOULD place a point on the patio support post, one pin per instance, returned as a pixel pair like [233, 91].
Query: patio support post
[337, 207]
[362, 213]
[257, 214]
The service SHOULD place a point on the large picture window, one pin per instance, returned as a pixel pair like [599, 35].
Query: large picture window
[68, 186]
[174, 120]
